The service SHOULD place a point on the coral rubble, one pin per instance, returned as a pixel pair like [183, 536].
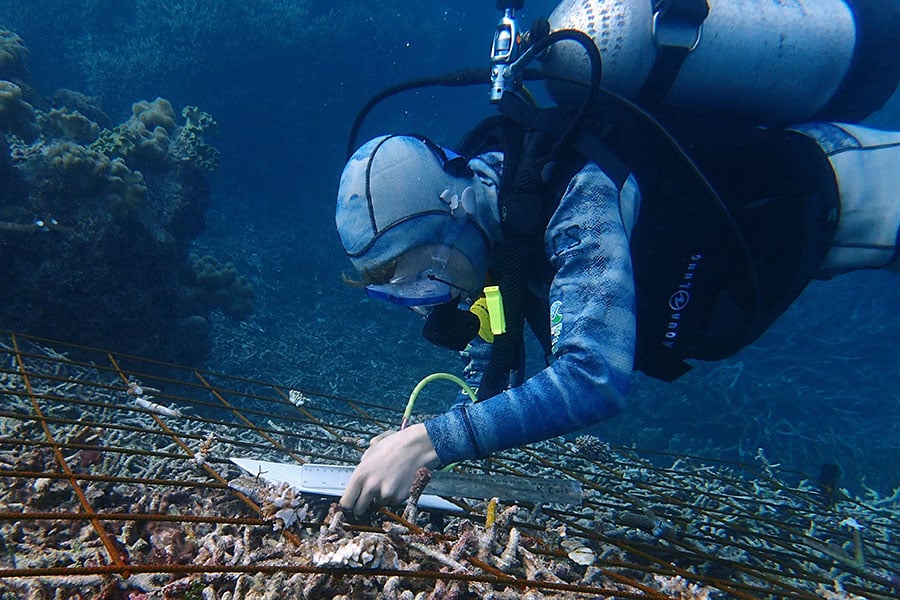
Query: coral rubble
[150, 492]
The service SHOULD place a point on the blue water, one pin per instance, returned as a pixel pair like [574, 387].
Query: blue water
[284, 81]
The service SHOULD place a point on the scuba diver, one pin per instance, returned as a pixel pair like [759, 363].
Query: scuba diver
[626, 241]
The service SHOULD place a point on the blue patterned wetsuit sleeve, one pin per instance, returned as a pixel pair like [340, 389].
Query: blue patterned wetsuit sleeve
[592, 300]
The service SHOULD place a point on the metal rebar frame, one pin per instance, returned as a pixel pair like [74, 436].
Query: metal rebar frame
[114, 476]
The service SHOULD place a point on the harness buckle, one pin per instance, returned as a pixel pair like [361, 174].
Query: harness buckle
[678, 24]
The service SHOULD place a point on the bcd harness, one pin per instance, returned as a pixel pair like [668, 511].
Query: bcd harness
[734, 219]
[710, 274]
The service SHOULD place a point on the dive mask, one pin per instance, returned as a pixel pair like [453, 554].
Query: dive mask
[426, 276]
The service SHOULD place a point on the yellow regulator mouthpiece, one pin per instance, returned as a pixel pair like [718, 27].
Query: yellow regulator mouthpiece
[495, 309]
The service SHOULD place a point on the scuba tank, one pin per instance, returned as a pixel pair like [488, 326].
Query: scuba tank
[602, 61]
[753, 60]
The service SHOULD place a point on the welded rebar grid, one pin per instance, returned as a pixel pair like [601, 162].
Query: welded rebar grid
[116, 481]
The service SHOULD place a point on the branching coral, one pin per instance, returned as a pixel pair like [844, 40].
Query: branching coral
[279, 504]
[336, 547]
[678, 587]
[168, 542]
[463, 557]
[423, 476]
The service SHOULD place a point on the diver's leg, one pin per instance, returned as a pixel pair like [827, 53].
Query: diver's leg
[866, 164]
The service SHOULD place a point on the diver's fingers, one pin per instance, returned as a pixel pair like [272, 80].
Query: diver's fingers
[381, 436]
[368, 497]
[362, 490]
[350, 497]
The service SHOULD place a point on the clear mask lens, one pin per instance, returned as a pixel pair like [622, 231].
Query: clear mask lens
[427, 276]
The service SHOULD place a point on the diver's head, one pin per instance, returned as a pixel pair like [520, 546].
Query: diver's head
[408, 217]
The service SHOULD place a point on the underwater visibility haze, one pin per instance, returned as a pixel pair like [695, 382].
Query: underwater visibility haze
[231, 261]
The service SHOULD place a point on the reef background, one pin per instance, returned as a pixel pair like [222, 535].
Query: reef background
[283, 81]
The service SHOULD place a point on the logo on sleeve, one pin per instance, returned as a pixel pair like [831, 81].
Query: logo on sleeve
[555, 325]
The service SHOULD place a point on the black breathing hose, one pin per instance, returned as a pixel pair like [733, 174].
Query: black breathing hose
[507, 351]
[460, 78]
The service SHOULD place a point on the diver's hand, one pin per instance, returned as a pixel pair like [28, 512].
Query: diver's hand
[386, 471]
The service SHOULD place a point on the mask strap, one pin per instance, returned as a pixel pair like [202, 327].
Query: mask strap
[452, 163]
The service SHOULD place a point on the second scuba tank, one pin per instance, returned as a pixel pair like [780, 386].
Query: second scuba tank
[760, 60]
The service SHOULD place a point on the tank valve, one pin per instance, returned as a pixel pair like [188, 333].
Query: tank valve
[505, 49]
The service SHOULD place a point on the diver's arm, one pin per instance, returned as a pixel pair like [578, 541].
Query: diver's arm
[593, 293]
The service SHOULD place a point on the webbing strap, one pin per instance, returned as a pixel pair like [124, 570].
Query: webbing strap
[676, 29]
[551, 122]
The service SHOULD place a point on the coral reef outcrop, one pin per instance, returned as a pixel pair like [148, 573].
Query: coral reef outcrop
[143, 140]
[218, 286]
[16, 115]
[68, 124]
[86, 105]
[190, 145]
[96, 220]
[13, 55]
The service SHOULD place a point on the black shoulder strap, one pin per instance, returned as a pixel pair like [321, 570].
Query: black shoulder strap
[491, 134]
[526, 203]
[676, 29]
[552, 121]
